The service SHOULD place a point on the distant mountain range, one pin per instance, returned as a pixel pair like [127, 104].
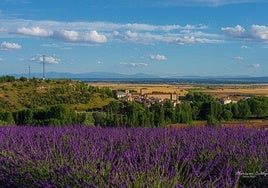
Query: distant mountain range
[142, 77]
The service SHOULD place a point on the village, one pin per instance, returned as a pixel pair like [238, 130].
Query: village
[147, 98]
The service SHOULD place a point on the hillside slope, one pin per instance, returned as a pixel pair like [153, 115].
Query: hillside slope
[21, 94]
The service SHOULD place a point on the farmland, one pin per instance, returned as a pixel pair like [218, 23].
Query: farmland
[235, 91]
[79, 156]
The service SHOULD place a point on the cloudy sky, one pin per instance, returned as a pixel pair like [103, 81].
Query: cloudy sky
[159, 37]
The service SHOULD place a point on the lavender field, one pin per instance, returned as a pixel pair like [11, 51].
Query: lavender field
[78, 156]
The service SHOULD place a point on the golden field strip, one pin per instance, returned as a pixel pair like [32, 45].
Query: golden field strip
[235, 91]
[165, 88]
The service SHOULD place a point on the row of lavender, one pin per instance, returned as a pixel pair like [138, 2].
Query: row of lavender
[141, 157]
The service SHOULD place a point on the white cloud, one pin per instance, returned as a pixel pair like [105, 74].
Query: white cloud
[172, 38]
[237, 31]
[158, 57]
[147, 27]
[193, 40]
[1, 59]
[168, 3]
[131, 35]
[255, 65]
[2, 30]
[46, 28]
[48, 59]
[254, 33]
[202, 26]
[69, 36]
[51, 45]
[135, 65]
[10, 46]
[244, 47]
[189, 27]
[260, 32]
[116, 33]
[74, 36]
[238, 58]
[213, 3]
[34, 31]
[64, 35]
[94, 36]
[165, 28]
[101, 32]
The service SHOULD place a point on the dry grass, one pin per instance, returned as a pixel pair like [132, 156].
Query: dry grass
[237, 90]
[234, 91]
[163, 88]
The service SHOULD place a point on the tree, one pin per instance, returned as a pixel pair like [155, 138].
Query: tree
[170, 116]
[211, 120]
[257, 106]
[215, 109]
[198, 97]
[6, 118]
[205, 110]
[23, 79]
[243, 110]
[99, 118]
[227, 115]
[114, 106]
[235, 110]
[186, 113]
[24, 117]
[158, 114]
[161, 116]
[178, 114]
[86, 119]
[7, 79]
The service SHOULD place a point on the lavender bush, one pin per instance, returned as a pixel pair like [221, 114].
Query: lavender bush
[125, 157]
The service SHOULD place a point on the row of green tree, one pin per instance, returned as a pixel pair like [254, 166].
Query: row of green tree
[7, 79]
[54, 115]
[196, 106]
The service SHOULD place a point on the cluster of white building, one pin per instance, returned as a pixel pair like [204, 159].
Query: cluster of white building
[147, 98]
[227, 100]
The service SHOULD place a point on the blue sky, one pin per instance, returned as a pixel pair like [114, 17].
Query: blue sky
[158, 37]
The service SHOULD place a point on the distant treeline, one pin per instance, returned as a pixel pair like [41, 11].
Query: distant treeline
[7, 79]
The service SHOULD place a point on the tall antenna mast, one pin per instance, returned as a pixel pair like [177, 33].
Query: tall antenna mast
[44, 74]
